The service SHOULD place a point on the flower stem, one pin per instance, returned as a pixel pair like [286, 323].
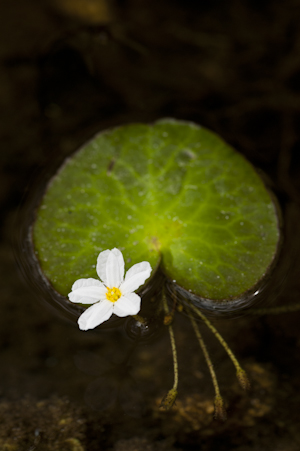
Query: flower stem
[168, 401]
[173, 344]
[174, 352]
[139, 319]
[240, 373]
[220, 412]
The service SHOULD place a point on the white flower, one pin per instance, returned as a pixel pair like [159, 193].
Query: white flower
[114, 294]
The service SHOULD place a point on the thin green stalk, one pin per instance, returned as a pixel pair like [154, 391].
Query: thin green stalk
[241, 374]
[206, 354]
[220, 412]
[171, 396]
[174, 352]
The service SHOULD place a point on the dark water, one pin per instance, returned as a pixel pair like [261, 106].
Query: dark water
[67, 73]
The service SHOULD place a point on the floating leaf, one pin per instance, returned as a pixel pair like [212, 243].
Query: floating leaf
[173, 194]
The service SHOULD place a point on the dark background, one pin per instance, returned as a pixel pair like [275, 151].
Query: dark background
[70, 69]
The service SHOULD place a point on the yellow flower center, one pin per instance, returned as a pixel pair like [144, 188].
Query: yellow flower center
[113, 294]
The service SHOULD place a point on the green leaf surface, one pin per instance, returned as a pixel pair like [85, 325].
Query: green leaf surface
[173, 194]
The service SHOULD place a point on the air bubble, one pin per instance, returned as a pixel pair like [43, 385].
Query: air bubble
[136, 329]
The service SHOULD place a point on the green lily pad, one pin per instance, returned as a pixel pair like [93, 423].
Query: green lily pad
[173, 194]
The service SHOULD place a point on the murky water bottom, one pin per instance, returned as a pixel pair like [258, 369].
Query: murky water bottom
[234, 69]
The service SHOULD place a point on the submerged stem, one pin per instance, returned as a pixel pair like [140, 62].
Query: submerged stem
[174, 352]
[241, 374]
[206, 354]
[173, 344]
[220, 412]
[171, 396]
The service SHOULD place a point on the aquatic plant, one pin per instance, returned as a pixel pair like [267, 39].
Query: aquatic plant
[172, 194]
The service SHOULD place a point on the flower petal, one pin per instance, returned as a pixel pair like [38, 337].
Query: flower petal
[95, 315]
[127, 305]
[101, 265]
[135, 277]
[115, 268]
[88, 294]
[86, 283]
